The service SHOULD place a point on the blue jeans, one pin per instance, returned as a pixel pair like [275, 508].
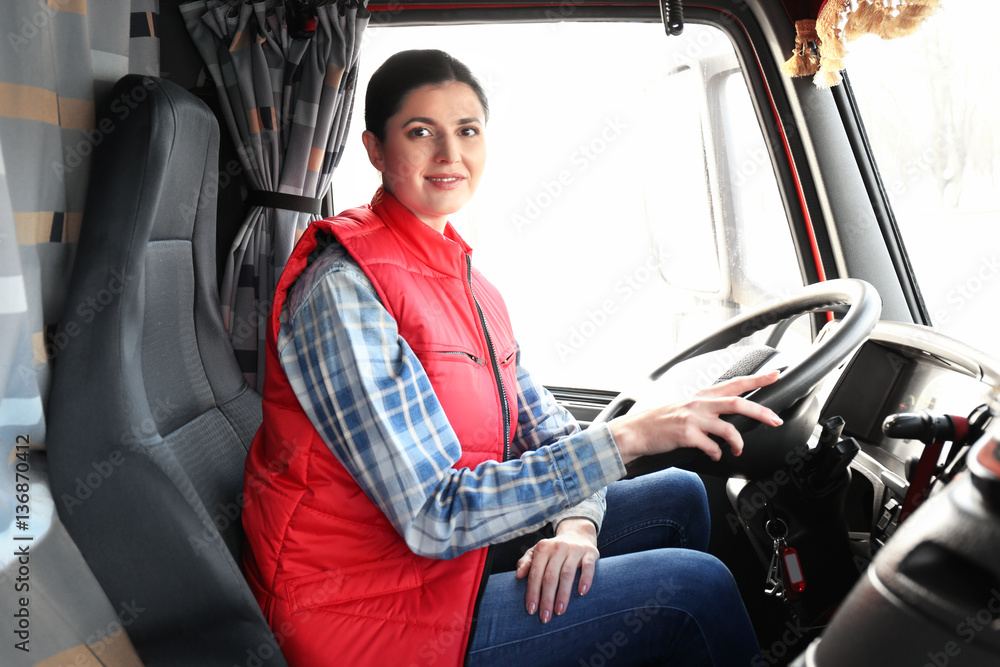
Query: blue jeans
[657, 598]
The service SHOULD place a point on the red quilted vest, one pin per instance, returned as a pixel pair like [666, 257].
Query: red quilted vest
[337, 583]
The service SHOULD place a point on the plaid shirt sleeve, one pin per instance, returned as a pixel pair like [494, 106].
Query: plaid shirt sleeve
[369, 398]
[541, 421]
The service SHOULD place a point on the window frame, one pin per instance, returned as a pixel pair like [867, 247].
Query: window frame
[781, 106]
[857, 135]
[735, 19]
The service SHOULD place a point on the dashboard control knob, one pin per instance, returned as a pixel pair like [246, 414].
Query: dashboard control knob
[926, 427]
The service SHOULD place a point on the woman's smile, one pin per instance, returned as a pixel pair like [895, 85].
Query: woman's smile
[445, 182]
[434, 150]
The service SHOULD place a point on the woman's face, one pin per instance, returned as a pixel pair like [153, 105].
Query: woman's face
[434, 150]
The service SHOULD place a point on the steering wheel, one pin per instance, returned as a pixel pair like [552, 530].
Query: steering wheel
[861, 306]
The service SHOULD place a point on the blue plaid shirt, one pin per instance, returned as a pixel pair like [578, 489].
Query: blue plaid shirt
[369, 398]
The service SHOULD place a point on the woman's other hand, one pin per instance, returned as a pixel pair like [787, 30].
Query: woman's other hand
[551, 567]
[690, 423]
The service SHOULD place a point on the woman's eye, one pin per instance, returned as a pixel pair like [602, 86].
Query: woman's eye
[419, 132]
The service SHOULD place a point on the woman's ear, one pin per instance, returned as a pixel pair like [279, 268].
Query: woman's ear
[374, 148]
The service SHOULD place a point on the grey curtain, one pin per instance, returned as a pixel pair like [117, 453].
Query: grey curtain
[286, 87]
[58, 59]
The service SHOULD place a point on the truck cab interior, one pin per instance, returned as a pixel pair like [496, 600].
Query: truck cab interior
[678, 192]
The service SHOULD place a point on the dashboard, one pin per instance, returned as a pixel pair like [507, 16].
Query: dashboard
[903, 368]
[837, 523]
[790, 491]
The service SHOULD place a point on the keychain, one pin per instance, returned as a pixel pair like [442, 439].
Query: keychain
[785, 578]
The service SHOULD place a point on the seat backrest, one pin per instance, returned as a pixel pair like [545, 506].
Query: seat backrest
[149, 417]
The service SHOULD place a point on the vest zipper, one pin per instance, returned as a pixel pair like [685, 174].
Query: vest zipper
[493, 361]
[490, 552]
[476, 360]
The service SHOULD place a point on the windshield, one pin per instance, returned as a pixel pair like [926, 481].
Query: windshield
[627, 210]
[929, 103]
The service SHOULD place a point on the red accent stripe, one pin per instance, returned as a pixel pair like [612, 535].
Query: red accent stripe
[921, 483]
[497, 5]
[806, 218]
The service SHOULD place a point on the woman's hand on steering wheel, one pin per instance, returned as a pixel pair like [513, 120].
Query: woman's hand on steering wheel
[690, 423]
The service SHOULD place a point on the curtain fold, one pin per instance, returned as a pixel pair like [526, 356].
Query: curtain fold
[60, 58]
[286, 86]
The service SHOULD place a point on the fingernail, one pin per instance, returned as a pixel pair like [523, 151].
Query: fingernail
[776, 420]
[531, 608]
[560, 608]
[584, 589]
[546, 615]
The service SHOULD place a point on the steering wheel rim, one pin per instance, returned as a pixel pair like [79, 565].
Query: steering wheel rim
[857, 299]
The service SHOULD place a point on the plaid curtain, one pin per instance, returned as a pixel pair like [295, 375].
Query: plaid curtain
[57, 58]
[286, 87]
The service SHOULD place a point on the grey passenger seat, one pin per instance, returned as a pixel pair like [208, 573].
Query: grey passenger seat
[149, 416]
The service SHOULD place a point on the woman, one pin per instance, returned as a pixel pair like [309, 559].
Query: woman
[402, 437]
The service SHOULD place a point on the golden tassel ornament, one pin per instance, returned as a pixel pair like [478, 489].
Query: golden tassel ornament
[821, 45]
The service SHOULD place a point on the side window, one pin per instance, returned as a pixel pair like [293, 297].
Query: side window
[629, 204]
[931, 119]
